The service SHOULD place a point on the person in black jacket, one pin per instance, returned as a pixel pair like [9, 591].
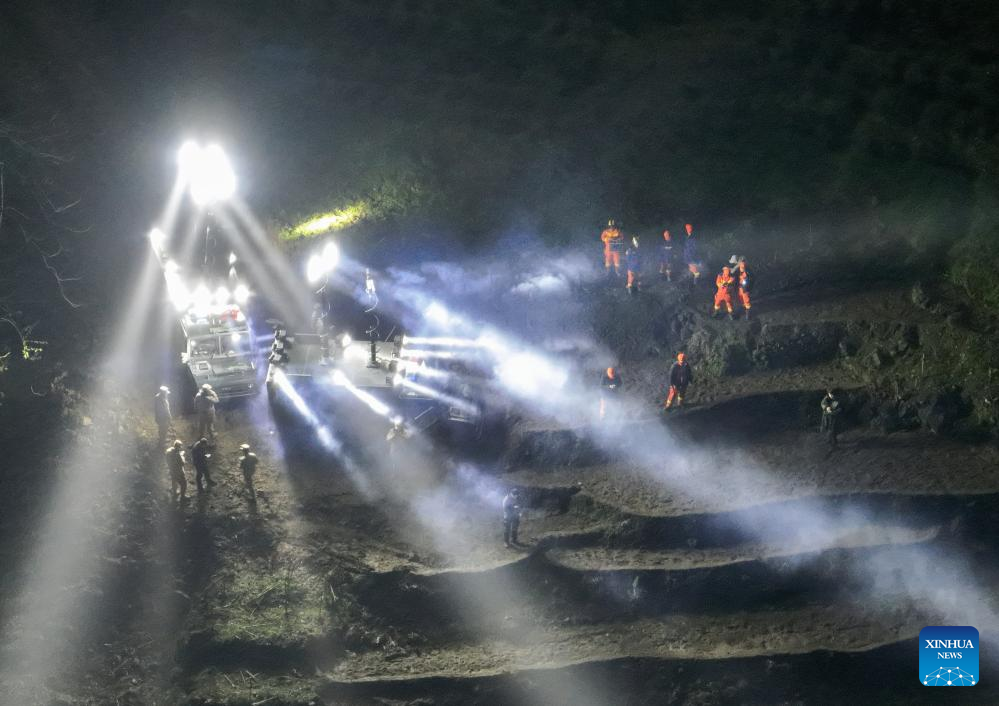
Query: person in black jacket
[199, 457]
[511, 517]
[666, 257]
[830, 418]
[680, 377]
[610, 387]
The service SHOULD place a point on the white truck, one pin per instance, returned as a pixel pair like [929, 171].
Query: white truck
[220, 350]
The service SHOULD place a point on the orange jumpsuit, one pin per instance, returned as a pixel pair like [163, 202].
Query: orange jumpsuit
[724, 283]
[743, 277]
[613, 244]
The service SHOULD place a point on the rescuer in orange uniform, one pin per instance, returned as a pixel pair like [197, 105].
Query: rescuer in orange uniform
[745, 281]
[610, 387]
[680, 377]
[613, 245]
[724, 284]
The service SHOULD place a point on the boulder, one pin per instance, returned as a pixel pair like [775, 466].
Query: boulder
[786, 345]
[941, 410]
[920, 297]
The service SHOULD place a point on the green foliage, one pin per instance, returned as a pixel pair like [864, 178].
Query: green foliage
[270, 604]
[973, 271]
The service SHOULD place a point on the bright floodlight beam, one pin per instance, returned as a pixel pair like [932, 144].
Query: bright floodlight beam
[207, 172]
[437, 313]
[322, 264]
[157, 238]
[373, 403]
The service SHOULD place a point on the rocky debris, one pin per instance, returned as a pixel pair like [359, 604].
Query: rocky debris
[553, 447]
[920, 297]
[941, 410]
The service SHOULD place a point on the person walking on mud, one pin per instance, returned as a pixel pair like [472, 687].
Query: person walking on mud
[199, 457]
[161, 410]
[680, 377]
[248, 465]
[830, 418]
[511, 518]
[175, 465]
[395, 438]
[204, 405]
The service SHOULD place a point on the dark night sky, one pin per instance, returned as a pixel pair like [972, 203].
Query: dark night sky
[479, 117]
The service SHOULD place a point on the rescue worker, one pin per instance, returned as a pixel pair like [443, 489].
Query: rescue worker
[724, 283]
[690, 254]
[666, 257]
[248, 465]
[511, 518]
[175, 465]
[745, 282]
[199, 457]
[610, 386]
[204, 405]
[320, 325]
[161, 410]
[680, 377]
[613, 245]
[397, 435]
[278, 357]
[830, 416]
[633, 263]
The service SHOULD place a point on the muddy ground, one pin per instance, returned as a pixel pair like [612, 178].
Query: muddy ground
[723, 554]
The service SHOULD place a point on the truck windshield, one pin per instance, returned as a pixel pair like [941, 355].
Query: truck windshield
[204, 347]
[235, 344]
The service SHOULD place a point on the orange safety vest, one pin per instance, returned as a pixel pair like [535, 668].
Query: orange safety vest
[612, 239]
[723, 283]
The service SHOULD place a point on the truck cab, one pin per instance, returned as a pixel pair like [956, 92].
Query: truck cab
[220, 350]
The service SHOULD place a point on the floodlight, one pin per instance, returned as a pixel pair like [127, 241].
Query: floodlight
[314, 270]
[330, 257]
[207, 172]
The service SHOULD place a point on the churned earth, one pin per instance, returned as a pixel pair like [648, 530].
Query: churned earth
[721, 554]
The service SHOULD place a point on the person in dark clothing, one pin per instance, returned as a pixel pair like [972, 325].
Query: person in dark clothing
[161, 410]
[680, 377]
[204, 405]
[633, 265]
[200, 456]
[690, 254]
[511, 517]
[830, 418]
[175, 464]
[248, 465]
[610, 387]
[666, 257]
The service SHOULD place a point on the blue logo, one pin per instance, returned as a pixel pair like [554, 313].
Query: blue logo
[948, 656]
